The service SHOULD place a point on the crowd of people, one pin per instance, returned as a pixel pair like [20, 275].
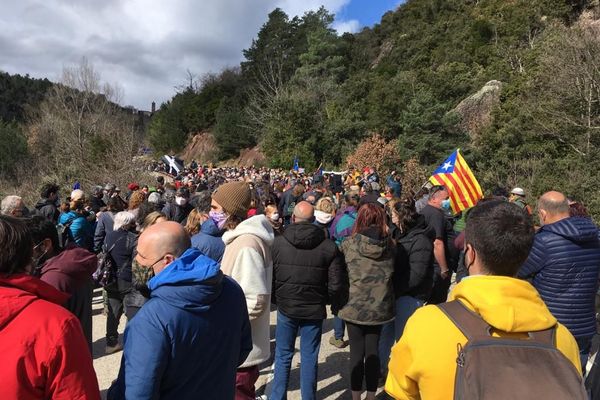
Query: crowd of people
[197, 261]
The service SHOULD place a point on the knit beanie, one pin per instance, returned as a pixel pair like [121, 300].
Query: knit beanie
[234, 197]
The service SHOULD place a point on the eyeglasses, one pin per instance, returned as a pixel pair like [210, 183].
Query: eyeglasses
[155, 262]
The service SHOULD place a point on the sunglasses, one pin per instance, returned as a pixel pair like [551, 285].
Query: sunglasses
[435, 189]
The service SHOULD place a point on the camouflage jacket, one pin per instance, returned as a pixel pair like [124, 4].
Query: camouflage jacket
[370, 266]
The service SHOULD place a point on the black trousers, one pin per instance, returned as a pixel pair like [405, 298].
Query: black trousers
[364, 356]
[439, 292]
[118, 301]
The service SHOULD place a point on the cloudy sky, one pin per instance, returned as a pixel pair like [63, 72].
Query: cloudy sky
[146, 46]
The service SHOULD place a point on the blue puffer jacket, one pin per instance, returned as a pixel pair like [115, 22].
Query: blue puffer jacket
[81, 229]
[209, 241]
[564, 263]
[188, 340]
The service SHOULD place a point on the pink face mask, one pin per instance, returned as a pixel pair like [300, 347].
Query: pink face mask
[218, 217]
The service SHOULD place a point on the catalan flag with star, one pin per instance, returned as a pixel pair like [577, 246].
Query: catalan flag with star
[458, 178]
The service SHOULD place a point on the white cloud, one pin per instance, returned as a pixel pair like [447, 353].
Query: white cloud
[145, 46]
[350, 26]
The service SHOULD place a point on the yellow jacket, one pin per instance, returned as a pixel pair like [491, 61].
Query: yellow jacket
[423, 362]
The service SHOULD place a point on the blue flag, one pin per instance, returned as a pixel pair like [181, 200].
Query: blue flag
[296, 168]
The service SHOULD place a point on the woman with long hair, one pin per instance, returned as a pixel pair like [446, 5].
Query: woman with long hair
[370, 258]
[193, 222]
[121, 244]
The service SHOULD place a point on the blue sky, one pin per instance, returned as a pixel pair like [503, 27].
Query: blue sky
[366, 12]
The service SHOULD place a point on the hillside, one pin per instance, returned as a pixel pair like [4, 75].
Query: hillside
[513, 83]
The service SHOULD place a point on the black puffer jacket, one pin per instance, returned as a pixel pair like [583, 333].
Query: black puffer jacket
[123, 244]
[415, 250]
[47, 209]
[308, 272]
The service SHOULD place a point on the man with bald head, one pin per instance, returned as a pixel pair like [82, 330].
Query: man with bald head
[307, 275]
[563, 266]
[193, 333]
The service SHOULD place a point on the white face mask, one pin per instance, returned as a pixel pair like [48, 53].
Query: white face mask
[323, 217]
[180, 201]
[275, 217]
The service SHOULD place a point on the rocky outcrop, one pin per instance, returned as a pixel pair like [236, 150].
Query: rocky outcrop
[202, 148]
[384, 50]
[475, 111]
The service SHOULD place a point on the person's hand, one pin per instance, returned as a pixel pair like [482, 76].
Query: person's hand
[445, 274]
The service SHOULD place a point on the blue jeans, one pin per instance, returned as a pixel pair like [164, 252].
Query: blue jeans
[285, 341]
[392, 331]
[584, 344]
[339, 326]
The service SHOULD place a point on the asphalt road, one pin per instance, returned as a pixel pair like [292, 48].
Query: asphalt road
[334, 382]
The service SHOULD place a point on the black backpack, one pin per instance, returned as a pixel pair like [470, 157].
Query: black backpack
[65, 236]
[107, 271]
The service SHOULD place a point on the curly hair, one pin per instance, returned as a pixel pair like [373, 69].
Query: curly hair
[136, 199]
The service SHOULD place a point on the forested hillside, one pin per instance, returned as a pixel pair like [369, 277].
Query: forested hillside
[303, 90]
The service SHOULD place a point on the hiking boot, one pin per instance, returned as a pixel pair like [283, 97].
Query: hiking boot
[339, 343]
[113, 349]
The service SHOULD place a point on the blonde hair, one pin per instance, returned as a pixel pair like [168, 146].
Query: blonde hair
[193, 222]
[152, 218]
[325, 204]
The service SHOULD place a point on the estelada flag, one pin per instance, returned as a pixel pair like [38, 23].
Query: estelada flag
[458, 178]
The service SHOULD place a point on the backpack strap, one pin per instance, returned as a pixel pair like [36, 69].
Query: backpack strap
[472, 325]
[547, 336]
[469, 323]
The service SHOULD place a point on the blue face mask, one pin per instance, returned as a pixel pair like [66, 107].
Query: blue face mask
[446, 204]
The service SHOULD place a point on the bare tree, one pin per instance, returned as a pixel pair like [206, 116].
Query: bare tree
[80, 130]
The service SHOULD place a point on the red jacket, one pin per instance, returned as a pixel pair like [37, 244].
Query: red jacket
[43, 351]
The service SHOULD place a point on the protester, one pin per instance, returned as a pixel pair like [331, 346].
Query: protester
[46, 207]
[498, 239]
[247, 259]
[153, 218]
[324, 214]
[414, 280]
[68, 270]
[208, 239]
[272, 214]
[135, 200]
[188, 340]
[341, 228]
[193, 222]
[13, 206]
[105, 222]
[394, 183]
[121, 246]
[563, 266]
[517, 196]
[96, 201]
[434, 217]
[178, 209]
[369, 194]
[80, 229]
[308, 274]
[288, 201]
[370, 256]
[44, 351]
